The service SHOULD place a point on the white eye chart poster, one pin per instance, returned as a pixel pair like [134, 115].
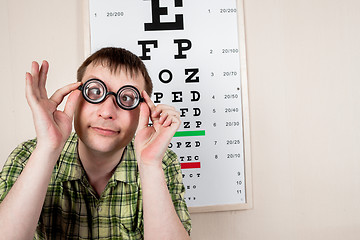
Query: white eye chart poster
[194, 53]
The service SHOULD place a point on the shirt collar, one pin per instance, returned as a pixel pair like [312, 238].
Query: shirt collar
[127, 170]
[69, 167]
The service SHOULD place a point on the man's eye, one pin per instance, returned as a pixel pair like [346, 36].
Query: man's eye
[127, 98]
[94, 93]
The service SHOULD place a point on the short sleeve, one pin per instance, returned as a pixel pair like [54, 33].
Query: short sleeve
[173, 175]
[13, 167]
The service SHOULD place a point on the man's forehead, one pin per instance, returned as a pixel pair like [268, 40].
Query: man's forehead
[113, 69]
[102, 72]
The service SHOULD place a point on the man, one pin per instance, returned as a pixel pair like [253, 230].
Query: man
[100, 182]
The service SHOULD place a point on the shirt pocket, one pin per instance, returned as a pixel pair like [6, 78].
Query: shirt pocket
[126, 209]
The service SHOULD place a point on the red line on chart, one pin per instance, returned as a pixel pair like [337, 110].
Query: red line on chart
[190, 165]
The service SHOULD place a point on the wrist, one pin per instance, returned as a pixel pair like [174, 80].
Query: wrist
[48, 153]
[151, 176]
[149, 160]
[150, 167]
[47, 146]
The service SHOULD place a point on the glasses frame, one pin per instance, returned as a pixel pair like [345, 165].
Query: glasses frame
[107, 93]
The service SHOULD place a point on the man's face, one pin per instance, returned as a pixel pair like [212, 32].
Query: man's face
[105, 127]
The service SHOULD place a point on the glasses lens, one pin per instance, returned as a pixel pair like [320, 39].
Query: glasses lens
[129, 97]
[94, 91]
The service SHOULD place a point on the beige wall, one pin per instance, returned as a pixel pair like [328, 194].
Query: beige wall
[304, 94]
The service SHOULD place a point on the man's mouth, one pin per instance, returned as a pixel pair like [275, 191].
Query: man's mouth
[105, 131]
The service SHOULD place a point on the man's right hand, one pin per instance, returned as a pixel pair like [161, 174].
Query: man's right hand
[52, 126]
[23, 203]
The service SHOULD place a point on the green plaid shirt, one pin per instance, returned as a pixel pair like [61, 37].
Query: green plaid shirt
[73, 210]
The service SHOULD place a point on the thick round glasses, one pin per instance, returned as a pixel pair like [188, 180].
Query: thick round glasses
[95, 91]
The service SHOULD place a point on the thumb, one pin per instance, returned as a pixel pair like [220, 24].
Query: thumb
[144, 116]
[71, 103]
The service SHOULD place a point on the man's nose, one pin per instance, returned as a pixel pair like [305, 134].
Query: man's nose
[108, 108]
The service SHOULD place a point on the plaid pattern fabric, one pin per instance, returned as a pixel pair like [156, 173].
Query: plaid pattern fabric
[72, 209]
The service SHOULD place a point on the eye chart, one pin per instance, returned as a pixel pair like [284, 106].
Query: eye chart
[194, 52]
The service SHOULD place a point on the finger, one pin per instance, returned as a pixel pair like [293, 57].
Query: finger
[149, 102]
[29, 93]
[162, 108]
[71, 103]
[167, 119]
[171, 121]
[168, 109]
[144, 116]
[163, 117]
[59, 95]
[166, 113]
[42, 78]
[35, 77]
[35, 70]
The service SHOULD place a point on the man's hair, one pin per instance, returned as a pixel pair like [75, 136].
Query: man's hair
[117, 59]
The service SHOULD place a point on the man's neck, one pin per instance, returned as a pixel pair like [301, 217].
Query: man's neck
[98, 166]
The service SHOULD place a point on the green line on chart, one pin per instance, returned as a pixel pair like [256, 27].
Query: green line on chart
[189, 133]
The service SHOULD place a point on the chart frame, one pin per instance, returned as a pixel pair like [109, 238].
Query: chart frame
[244, 107]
